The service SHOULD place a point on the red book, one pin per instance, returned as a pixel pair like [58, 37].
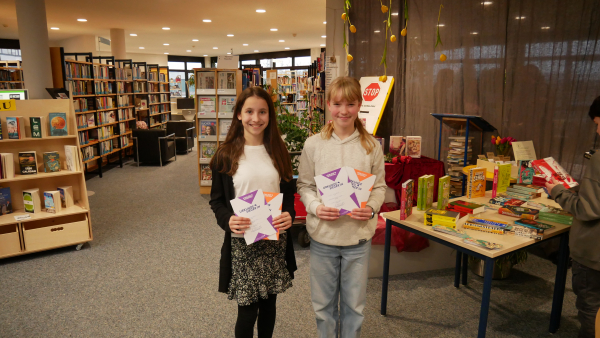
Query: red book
[552, 170]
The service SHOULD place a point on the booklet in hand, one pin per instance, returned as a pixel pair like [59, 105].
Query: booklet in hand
[336, 191]
[254, 207]
[274, 201]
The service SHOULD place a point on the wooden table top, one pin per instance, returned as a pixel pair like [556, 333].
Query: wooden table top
[510, 242]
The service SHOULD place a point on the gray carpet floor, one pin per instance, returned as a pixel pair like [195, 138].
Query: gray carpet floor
[152, 269]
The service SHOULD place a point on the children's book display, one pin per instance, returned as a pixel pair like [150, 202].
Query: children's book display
[345, 189]
[16, 128]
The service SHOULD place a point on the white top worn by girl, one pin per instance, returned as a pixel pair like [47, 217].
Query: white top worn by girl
[255, 171]
[320, 156]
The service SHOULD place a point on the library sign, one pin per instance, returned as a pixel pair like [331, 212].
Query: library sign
[6, 105]
[375, 95]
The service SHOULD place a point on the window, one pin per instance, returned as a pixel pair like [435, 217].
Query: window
[265, 63]
[302, 61]
[176, 65]
[249, 62]
[283, 62]
[192, 65]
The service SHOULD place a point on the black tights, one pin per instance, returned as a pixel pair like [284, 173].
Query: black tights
[265, 310]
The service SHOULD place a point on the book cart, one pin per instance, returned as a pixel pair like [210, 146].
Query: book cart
[43, 231]
[216, 93]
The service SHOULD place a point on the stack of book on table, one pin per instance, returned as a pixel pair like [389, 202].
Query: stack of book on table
[455, 162]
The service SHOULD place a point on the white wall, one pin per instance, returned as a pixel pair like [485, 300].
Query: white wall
[315, 53]
[160, 59]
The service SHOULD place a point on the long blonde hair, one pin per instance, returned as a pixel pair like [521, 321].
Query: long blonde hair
[349, 88]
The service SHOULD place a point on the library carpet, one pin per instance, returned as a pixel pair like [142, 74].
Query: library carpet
[152, 269]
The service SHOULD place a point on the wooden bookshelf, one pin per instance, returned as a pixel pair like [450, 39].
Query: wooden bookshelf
[159, 97]
[11, 78]
[43, 231]
[205, 115]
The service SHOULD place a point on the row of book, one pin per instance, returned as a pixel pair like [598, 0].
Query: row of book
[106, 117]
[301, 104]
[405, 146]
[28, 164]
[85, 121]
[83, 104]
[106, 147]
[206, 80]
[153, 77]
[123, 74]
[125, 114]
[17, 127]
[138, 73]
[105, 102]
[139, 87]
[105, 132]
[84, 137]
[154, 98]
[82, 87]
[77, 70]
[103, 87]
[10, 75]
[101, 72]
[124, 141]
[124, 100]
[9, 85]
[54, 200]
[124, 87]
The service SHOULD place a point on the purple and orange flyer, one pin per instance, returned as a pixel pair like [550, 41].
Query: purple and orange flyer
[336, 191]
[253, 206]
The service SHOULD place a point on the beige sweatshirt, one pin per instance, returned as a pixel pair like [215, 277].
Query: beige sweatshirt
[320, 156]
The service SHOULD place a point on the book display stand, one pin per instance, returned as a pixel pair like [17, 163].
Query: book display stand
[216, 93]
[463, 122]
[42, 230]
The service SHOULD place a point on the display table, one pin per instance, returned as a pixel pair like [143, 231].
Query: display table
[510, 244]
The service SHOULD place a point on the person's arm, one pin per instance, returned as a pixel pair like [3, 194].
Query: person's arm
[307, 188]
[585, 205]
[378, 169]
[218, 203]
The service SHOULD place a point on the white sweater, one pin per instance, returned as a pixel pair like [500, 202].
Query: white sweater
[320, 156]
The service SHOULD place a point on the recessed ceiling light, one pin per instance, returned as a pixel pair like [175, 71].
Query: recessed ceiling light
[166, 28]
[520, 17]
[485, 3]
[474, 33]
[206, 20]
[189, 50]
[141, 47]
[82, 20]
[323, 36]
[273, 29]
[195, 40]
[260, 11]
[54, 28]
[324, 22]
[166, 53]
[204, 55]
[256, 51]
[376, 32]
[281, 40]
[322, 45]
[215, 47]
[245, 44]
[228, 53]
[395, 14]
[132, 34]
[165, 44]
[546, 27]
[442, 25]
[229, 35]
[287, 48]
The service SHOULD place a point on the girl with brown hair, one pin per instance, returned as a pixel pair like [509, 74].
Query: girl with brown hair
[253, 157]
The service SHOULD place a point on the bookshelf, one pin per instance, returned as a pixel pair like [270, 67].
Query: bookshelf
[315, 90]
[216, 93]
[43, 230]
[11, 75]
[159, 97]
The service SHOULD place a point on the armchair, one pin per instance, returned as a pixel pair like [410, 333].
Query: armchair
[184, 134]
[154, 145]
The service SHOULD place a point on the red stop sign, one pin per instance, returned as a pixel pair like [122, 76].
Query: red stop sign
[371, 92]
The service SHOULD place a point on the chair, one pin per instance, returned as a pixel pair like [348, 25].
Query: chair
[184, 134]
[154, 145]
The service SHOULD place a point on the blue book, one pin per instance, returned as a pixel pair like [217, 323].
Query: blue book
[58, 124]
[5, 202]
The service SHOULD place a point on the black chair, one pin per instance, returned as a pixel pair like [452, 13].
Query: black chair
[154, 146]
[184, 134]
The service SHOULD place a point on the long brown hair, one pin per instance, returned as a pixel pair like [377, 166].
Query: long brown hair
[228, 154]
[349, 88]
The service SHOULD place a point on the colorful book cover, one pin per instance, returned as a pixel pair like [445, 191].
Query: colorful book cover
[208, 149]
[206, 105]
[413, 146]
[5, 201]
[430, 188]
[526, 172]
[253, 206]
[58, 124]
[28, 163]
[420, 193]
[205, 173]
[495, 183]
[336, 191]
[551, 169]
[398, 145]
[51, 162]
[224, 125]
[274, 201]
[406, 203]
[443, 192]
[226, 104]
[208, 127]
[362, 183]
[503, 177]
[36, 127]
[49, 202]
[31, 200]
[12, 124]
[474, 208]
[476, 179]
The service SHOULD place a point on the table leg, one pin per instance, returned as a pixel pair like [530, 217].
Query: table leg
[465, 266]
[485, 296]
[457, 269]
[559, 283]
[386, 266]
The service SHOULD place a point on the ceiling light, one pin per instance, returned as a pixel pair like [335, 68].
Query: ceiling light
[474, 33]
[166, 28]
[54, 28]
[215, 47]
[206, 20]
[204, 55]
[546, 27]
[228, 53]
[245, 44]
[195, 40]
[132, 34]
[287, 48]
[165, 44]
[395, 14]
[166, 53]
[256, 51]
[189, 50]
[323, 36]
[376, 32]
[273, 29]
[229, 35]
[324, 22]
[322, 45]
[82, 20]
[442, 25]
[281, 40]
[520, 17]
[141, 47]
[485, 3]
[260, 11]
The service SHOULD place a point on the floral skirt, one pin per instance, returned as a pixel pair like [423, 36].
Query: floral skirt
[258, 270]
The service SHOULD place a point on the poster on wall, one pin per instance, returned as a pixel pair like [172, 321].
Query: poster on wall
[375, 95]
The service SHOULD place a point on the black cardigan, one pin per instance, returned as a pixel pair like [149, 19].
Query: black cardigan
[222, 192]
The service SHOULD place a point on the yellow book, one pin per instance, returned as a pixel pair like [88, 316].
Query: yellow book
[476, 180]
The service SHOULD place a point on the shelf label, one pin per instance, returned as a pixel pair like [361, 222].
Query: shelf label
[6, 105]
[22, 217]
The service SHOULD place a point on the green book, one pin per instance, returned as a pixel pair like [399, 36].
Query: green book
[420, 204]
[443, 192]
[36, 127]
[51, 162]
[430, 186]
[503, 177]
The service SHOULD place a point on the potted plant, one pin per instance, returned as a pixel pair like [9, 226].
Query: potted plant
[502, 267]
[296, 129]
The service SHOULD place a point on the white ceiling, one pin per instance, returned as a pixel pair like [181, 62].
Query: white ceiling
[147, 17]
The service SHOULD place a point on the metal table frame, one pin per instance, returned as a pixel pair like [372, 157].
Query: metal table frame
[462, 255]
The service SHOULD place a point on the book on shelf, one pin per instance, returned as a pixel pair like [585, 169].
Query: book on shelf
[205, 173]
[476, 183]
[51, 162]
[27, 162]
[31, 200]
[226, 80]
[5, 201]
[206, 80]
[208, 150]
[206, 105]
[66, 196]
[208, 127]
[52, 201]
[398, 145]
[72, 157]
[7, 166]
[226, 104]
[406, 201]
[224, 125]
[36, 125]
[15, 126]
[413, 146]
[443, 192]
[552, 170]
[58, 124]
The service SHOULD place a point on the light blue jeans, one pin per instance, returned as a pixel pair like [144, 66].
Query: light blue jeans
[338, 274]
